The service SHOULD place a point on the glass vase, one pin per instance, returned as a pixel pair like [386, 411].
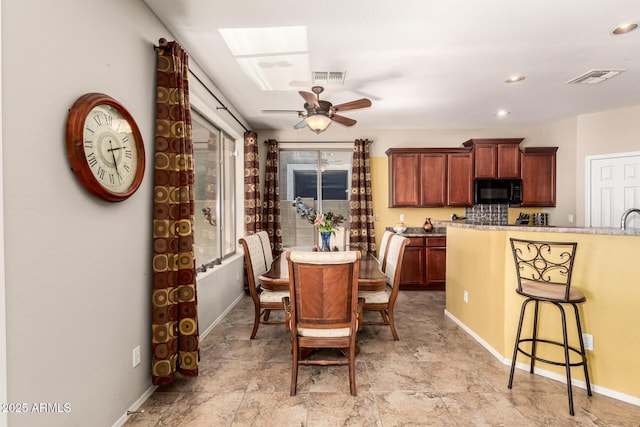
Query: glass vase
[325, 237]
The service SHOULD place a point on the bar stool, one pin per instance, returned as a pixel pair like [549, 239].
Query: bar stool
[544, 276]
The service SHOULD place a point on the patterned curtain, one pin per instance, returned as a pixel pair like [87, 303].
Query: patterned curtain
[252, 202]
[362, 235]
[175, 339]
[271, 204]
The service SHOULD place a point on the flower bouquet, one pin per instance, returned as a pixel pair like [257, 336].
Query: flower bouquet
[326, 222]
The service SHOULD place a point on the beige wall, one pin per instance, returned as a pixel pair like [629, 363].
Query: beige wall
[608, 132]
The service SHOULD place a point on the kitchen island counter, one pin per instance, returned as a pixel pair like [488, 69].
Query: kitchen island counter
[481, 298]
[419, 232]
[611, 231]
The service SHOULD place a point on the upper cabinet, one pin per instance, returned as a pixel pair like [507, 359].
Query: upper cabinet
[428, 177]
[539, 176]
[460, 179]
[496, 157]
[438, 177]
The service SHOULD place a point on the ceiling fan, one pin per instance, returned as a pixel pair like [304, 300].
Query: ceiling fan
[318, 113]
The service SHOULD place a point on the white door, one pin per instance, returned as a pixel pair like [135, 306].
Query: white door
[613, 185]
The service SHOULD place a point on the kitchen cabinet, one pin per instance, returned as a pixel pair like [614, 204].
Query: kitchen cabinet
[424, 264]
[460, 179]
[436, 263]
[496, 158]
[538, 169]
[433, 179]
[404, 180]
[414, 269]
[429, 177]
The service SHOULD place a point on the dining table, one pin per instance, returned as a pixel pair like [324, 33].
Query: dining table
[370, 277]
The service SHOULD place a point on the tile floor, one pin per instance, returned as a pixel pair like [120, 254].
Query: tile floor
[436, 375]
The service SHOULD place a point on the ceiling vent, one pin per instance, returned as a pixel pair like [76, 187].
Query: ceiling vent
[595, 76]
[328, 78]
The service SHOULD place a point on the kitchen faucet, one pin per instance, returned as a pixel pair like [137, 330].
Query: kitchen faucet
[623, 220]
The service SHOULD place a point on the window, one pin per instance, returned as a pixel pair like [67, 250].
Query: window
[323, 180]
[214, 163]
[335, 184]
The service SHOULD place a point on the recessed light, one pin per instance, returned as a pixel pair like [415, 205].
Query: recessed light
[502, 114]
[514, 79]
[625, 28]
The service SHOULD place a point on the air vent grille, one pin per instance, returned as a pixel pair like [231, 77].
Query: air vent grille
[328, 78]
[595, 76]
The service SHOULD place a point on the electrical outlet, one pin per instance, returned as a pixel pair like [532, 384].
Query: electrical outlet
[465, 296]
[587, 339]
[570, 218]
[401, 218]
[237, 277]
[136, 356]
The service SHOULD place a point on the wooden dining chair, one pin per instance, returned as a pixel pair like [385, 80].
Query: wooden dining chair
[384, 301]
[264, 301]
[323, 308]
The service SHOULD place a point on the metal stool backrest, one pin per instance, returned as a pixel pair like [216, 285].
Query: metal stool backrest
[542, 264]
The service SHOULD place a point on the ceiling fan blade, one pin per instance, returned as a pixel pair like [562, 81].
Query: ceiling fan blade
[300, 124]
[345, 121]
[353, 105]
[310, 98]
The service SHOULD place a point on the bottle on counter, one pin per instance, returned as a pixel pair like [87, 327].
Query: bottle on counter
[428, 226]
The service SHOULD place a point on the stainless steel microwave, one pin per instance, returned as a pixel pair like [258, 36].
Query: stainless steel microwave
[498, 191]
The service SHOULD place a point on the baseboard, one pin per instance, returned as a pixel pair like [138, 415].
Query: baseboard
[222, 315]
[134, 408]
[476, 337]
[543, 372]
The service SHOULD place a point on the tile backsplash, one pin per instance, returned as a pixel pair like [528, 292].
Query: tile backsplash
[497, 214]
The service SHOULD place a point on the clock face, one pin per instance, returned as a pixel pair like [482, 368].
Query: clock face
[105, 147]
[110, 148]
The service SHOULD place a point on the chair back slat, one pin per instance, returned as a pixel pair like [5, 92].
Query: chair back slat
[394, 257]
[254, 258]
[383, 248]
[266, 248]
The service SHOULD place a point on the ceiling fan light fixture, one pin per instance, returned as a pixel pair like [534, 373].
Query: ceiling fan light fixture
[318, 122]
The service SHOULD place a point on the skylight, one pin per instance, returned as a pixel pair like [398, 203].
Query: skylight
[273, 57]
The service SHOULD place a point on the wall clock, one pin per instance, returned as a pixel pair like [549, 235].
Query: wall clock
[105, 147]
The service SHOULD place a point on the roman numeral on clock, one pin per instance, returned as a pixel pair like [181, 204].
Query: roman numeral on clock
[91, 159]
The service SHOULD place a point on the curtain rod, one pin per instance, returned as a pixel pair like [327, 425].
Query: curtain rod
[223, 107]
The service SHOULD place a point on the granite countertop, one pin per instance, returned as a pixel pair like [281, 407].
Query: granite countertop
[419, 232]
[613, 231]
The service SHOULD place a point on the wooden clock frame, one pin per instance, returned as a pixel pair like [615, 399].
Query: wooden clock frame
[75, 149]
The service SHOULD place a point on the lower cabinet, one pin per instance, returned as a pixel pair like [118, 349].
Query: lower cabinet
[436, 263]
[424, 264]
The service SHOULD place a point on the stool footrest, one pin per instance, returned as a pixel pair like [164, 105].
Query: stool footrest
[551, 362]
